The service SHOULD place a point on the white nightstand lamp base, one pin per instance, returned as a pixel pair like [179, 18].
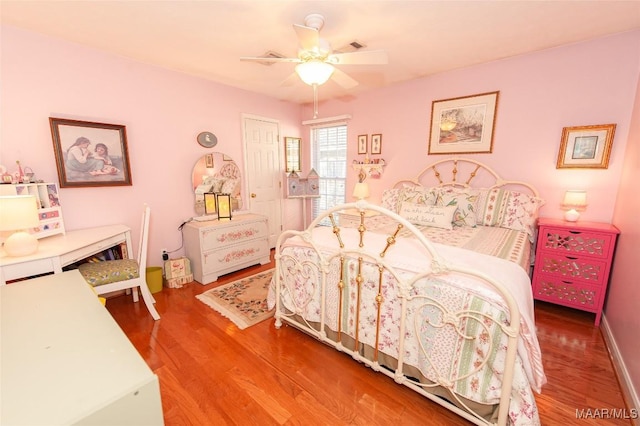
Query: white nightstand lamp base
[572, 215]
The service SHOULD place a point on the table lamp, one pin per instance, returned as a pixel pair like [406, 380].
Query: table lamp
[574, 201]
[18, 213]
[361, 190]
[223, 202]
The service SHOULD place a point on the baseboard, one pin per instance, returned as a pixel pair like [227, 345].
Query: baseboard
[628, 392]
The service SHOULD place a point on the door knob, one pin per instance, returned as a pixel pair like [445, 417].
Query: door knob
[253, 195]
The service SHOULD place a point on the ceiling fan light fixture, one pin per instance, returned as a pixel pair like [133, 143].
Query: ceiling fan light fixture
[314, 72]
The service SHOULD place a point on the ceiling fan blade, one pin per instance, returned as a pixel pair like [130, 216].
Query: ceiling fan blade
[269, 59]
[367, 57]
[308, 37]
[291, 80]
[342, 79]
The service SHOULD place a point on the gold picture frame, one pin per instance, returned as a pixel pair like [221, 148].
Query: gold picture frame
[586, 147]
[463, 125]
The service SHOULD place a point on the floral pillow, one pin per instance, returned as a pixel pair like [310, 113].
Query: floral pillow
[465, 201]
[508, 209]
[490, 205]
[215, 182]
[521, 212]
[421, 214]
[418, 195]
[391, 199]
[229, 186]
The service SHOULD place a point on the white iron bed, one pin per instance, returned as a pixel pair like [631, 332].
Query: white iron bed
[454, 325]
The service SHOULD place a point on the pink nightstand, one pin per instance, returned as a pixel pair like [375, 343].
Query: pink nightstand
[573, 262]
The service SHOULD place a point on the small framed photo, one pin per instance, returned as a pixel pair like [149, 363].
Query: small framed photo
[463, 125]
[209, 203]
[362, 144]
[586, 146]
[90, 154]
[376, 144]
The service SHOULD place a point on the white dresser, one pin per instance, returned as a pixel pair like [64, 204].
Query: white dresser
[218, 247]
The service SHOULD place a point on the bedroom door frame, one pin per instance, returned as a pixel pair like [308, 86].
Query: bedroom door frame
[261, 140]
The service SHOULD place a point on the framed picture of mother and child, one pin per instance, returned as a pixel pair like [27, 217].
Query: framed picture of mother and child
[90, 154]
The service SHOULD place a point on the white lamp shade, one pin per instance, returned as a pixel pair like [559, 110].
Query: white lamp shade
[573, 201]
[314, 72]
[575, 198]
[19, 213]
[361, 190]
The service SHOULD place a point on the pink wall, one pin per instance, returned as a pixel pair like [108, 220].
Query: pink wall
[624, 292]
[540, 93]
[163, 112]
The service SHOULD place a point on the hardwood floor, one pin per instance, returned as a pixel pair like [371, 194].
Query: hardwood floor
[213, 373]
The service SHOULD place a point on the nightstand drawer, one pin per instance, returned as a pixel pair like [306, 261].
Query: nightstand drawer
[574, 268]
[568, 293]
[577, 242]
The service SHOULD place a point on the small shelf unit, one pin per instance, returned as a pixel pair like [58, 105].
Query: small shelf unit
[49, 209]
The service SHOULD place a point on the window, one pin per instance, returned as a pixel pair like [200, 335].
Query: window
[329, 159]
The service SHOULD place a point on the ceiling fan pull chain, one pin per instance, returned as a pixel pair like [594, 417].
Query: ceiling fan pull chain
[315, 100]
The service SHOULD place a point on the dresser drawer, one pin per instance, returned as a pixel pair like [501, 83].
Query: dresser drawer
[576, 242]
[575, 268]
[215, 237]
[227, 257]
[567, 292]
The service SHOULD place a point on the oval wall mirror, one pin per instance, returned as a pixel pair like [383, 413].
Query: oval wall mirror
[216, 172]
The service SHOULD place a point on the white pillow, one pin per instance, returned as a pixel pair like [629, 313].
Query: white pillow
[435, 216]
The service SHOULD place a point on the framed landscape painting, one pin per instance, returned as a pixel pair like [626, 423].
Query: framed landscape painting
[463, 125]
[90, 154]
[586, 146]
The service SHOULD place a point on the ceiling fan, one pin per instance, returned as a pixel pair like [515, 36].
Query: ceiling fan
[316, 60]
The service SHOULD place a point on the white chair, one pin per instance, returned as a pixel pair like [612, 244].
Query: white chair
[122, 274]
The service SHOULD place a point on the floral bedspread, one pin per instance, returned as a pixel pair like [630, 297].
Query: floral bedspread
[504, 243]
[437, 352]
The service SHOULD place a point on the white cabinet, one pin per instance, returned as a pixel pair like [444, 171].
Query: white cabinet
[49, 210]
[66, 361]
[218, 247]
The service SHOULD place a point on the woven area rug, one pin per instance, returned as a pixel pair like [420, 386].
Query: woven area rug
[244, 301]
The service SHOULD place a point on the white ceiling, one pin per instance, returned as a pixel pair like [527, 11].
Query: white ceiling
[206, 38]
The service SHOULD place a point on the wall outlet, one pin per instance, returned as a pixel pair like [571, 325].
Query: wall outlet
[165, 255]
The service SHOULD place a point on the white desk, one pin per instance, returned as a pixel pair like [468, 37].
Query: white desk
[61, 250]
[64, 360]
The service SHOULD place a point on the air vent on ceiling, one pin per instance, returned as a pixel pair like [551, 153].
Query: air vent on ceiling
[270, 54]
[351, 47]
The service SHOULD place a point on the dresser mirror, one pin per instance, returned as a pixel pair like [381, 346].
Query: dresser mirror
[216, 172]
